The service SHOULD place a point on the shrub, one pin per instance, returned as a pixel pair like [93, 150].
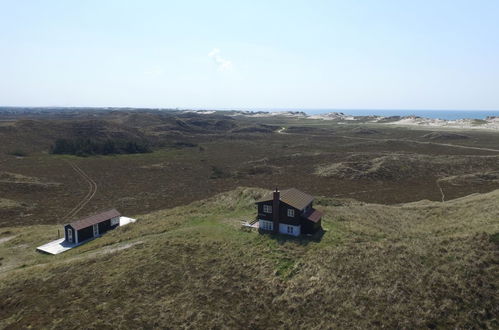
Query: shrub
[18, 153]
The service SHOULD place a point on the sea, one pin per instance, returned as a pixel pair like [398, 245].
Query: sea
[436, 114]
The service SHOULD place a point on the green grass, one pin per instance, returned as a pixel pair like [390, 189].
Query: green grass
[416, 265]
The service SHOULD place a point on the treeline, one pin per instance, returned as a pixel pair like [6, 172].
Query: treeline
[88, 147]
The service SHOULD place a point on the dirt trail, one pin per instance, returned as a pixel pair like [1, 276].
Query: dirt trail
[441, 190]
[92, 190]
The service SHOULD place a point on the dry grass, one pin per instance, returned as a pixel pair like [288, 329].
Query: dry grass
[423, 264]
[8, 177]
[9, 204]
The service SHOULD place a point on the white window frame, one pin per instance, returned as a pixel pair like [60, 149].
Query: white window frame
[267, 208]
[291, 213]
[95, 229]
[267, 225]
[290, 230]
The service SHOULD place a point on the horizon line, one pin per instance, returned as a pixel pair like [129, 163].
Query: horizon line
[272, 109]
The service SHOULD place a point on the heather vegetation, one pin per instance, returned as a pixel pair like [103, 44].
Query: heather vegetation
[389, 257]
[87, 147]
[416, 265]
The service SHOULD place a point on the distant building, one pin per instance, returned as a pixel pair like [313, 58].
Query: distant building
[288, 212]
[92, 226]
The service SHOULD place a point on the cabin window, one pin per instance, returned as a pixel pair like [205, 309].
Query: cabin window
[267, 225]
[267, 209]
[115, 221]
[290, 229]
[291, 213]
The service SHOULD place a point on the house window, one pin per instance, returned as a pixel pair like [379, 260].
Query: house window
[290, 229]
[291, 213]
[266, 225]
[267, 209]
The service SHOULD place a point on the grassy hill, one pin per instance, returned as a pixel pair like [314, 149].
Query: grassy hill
[423, 264]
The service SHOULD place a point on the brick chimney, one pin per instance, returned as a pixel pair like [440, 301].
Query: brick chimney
[275, 210]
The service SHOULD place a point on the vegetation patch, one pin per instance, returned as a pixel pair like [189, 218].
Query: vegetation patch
[494, 238]
[445, 136]
[365, 131]
[18, 153]
[88, 147]
[402, 166]
[410, 265]
[9, 204]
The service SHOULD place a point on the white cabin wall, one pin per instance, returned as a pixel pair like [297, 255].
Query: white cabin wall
[283, 229]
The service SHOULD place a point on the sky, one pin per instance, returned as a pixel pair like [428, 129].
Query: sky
[350, 54]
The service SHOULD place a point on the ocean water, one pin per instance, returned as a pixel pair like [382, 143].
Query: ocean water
[437, 114]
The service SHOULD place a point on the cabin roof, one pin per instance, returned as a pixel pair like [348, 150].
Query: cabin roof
[93, 219]
[293, 197]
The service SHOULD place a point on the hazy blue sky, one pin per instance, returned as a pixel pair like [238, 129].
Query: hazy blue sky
[413, 54]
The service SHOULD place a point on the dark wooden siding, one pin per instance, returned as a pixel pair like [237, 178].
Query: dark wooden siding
[283, 213]
[105, 226]
[261, 214]
[85, 233]
[310, 227]
[88, 232]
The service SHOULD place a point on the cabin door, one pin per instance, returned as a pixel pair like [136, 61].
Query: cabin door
[96, 229]
[70, 235]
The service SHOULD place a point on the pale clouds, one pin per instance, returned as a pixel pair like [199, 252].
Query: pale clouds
[223, 64]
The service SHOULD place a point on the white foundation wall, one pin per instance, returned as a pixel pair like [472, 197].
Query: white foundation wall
[289, 229]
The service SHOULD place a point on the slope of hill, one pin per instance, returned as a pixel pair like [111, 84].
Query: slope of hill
[422, 264]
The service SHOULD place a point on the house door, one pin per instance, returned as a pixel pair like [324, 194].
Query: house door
[96, 229]
[70, 235]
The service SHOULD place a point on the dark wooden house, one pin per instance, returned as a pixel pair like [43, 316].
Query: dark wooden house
[288, 212]
[92, 226]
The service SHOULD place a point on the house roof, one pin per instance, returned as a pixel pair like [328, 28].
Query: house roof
[293, 197]
[315, 216]
[93, 219]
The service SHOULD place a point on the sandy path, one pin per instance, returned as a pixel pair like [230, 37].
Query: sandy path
[441, 190]
[281, 130]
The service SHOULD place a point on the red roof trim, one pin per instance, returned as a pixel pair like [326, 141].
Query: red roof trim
[315, 216]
